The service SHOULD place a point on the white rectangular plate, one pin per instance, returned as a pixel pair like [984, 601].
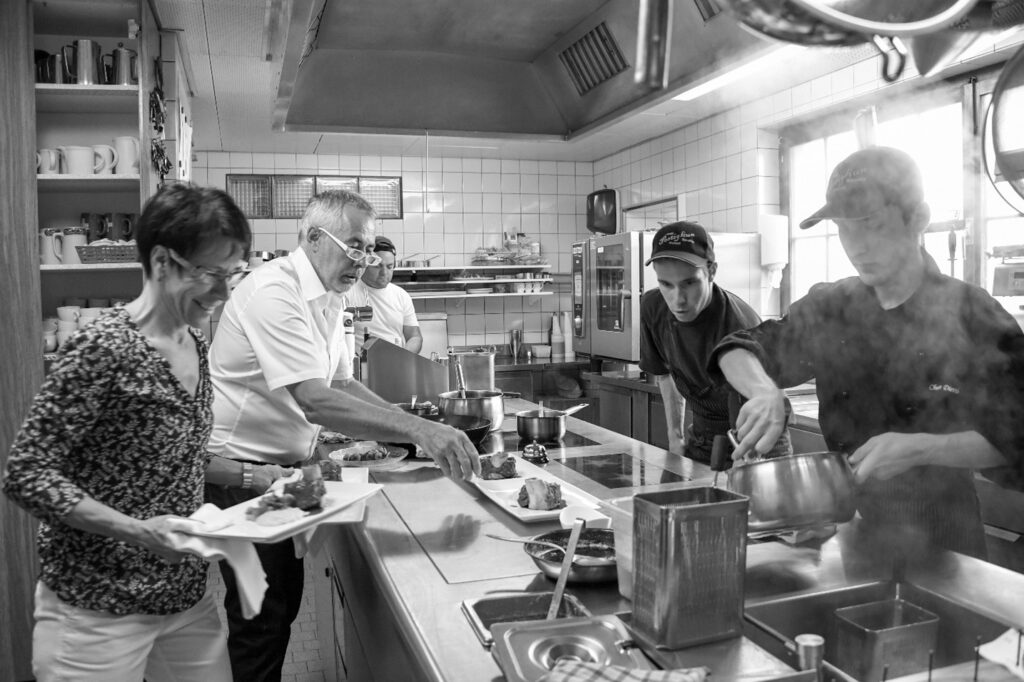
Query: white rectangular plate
[504, 493]
[339, 497]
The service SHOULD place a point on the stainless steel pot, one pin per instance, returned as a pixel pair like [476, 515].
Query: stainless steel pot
[543, 426]
[488, 405]
[796, 490]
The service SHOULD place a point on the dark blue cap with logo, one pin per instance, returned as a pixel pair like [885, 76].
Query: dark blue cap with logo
[685, 241]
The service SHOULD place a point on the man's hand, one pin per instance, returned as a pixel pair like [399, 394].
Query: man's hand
[450, 448]
[890, 454]
[265, 474]
[760, 423]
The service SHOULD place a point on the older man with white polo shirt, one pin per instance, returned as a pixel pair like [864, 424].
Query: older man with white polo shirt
[277, 347]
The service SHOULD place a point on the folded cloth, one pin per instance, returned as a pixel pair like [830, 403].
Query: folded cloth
[240, 554]
[310, 541]
[1007, 651]
[577, 671]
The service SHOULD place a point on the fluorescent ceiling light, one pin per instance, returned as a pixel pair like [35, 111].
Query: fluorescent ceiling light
[738, 72]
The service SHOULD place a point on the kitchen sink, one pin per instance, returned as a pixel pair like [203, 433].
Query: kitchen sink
[775, 623]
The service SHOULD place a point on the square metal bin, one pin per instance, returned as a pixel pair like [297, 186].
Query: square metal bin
[892, 634]
[689, 558]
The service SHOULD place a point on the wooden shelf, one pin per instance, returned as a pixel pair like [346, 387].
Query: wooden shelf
[62, 182]
[457, 268]
[84, 99]
[462, 294]
[87, 267]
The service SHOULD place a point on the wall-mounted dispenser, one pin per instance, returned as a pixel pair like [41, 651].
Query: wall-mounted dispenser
[774, 231]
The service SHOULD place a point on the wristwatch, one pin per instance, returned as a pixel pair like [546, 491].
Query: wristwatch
[247, 472]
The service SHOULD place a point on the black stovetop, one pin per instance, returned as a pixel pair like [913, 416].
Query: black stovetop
[620, 470]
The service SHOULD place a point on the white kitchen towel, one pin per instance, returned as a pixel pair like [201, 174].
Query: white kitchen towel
[240, 554]
[1007, 650]
[310, 541]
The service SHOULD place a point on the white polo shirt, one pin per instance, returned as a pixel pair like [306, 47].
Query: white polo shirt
[280, 327]
[392, 310]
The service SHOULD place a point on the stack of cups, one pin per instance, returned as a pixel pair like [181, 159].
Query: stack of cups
[67, 322]
[557, 340]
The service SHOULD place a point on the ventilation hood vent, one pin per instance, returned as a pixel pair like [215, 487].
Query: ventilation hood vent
[593, 59]
[531, 69]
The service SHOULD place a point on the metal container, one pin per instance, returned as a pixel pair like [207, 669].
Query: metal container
[796, 490]
[488, 405]
[477, 368]
[543, 426]
[484, 612]
[689, 558]
[891, 634]
[549, 559]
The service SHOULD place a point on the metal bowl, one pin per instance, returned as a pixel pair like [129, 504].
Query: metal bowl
[797, 490]
[549, 560]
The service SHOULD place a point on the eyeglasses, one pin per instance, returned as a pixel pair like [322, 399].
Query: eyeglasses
[209, 275]
[355, 255]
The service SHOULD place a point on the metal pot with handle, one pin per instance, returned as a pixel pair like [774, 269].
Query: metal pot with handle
[850, 22]
[481, 404]
[811, 488]
[543, 426]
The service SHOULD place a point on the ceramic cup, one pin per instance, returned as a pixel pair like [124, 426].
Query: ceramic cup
[127, 155]
[67, 326]
[122, 226]
[69, 313]
[49, 342]
[50, 324]
[73, 237]
[106, 158]
[48, 161]
[79, 160]
[62, 337]
[97, 224]
[49, 246]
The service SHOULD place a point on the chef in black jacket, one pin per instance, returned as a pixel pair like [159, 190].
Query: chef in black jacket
[681, 323]
[919, 376]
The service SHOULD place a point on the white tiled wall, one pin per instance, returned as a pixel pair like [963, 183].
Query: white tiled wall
[452, 206]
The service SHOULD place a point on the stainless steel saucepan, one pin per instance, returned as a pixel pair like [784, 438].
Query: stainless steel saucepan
[482, 404]
[543, 426]
[795, 490]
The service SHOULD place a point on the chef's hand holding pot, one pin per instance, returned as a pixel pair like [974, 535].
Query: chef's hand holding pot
[890, 454]
[761, 419]
[449, 448]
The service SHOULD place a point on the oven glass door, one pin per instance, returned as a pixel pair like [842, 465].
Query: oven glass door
[612, 276]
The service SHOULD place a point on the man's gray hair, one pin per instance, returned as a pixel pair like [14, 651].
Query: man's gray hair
[326, 209]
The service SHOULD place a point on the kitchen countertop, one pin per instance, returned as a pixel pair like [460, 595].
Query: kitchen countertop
[425, 540]
[505, 363]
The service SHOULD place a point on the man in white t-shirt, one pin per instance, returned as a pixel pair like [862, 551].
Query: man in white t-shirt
[276, 349]
[394, 318]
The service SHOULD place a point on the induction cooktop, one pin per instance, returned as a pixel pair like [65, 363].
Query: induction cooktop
[620, 470]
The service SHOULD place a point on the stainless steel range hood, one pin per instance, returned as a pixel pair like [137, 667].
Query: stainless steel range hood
[544, 69]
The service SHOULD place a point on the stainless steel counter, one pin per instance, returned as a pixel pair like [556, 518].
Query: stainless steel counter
[425, 550]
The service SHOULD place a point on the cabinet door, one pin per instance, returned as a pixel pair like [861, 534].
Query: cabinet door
[657, 424]
[616, 409]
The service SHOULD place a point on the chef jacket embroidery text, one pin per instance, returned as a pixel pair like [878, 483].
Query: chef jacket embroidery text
[944, 387]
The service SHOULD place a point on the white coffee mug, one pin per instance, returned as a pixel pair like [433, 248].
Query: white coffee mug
[79, 160]
[48, 161]
[49, 246]
[50, 324]
[66, 326]
[73, 237]
[68, 313]
[49, 342]
[62, 337]
[127, 148]
[106, 158]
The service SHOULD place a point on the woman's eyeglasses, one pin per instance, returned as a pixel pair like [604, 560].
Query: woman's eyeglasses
[355, 255]
[208, 275]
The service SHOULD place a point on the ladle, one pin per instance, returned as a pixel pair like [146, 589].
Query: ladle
[581, 559]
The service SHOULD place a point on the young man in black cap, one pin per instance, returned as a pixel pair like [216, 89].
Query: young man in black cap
[919, 376]
[681, 322]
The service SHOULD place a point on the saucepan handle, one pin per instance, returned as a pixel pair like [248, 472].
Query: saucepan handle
[511, 394]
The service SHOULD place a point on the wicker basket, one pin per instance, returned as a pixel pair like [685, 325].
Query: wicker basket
[109, 253]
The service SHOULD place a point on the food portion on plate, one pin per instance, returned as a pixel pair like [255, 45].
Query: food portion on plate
[333, 437]
[299, 496]
[498, 466]
[540, 495]
[369, 453]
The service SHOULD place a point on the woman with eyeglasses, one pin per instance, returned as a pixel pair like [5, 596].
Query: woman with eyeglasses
[114, 446]
[275, 365]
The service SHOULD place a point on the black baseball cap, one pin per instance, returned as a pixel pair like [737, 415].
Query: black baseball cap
[867, 180]
[685, 241]
[382, 243]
